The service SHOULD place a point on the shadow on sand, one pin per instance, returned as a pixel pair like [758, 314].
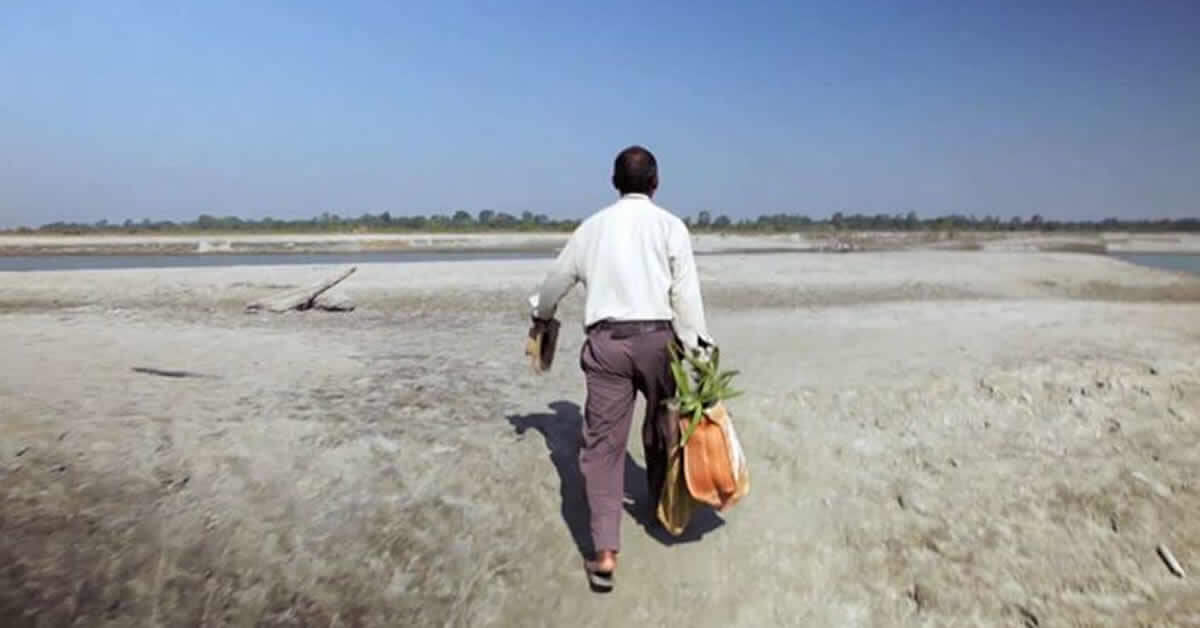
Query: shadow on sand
[561, 431]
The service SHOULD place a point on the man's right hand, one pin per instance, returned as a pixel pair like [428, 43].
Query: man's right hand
[704, 349]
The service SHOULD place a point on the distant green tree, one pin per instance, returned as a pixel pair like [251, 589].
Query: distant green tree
[505, 221]
[779, 222]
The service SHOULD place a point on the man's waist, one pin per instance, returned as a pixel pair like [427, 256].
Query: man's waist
[630, 327]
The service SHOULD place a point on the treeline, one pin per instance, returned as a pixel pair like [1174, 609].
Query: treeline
[487, 220]
[953, 222]
[325, 223]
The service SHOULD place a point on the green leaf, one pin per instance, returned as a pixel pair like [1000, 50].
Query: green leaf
[681, 380]
[697, 416]
[699, 385]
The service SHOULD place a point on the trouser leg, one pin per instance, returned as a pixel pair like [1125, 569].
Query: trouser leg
[608, 413]
[660, 431]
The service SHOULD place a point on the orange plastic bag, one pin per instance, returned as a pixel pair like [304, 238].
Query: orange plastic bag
[709, 470]
[714, 464]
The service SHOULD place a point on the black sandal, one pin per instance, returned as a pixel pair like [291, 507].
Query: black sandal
[600, 581]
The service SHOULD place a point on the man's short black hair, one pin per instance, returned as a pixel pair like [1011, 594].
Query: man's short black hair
[635, 171]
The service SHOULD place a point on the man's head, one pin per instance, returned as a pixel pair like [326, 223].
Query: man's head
[635, 172]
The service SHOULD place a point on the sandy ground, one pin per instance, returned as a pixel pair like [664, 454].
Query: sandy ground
[936, 438]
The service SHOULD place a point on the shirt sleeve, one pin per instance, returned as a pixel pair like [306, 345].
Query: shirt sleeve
[686, 301]
[563, 275]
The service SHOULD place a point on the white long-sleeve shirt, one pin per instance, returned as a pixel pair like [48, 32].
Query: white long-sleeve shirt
[635, 261]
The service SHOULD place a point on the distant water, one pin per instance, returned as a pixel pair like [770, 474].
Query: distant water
[26, 263]
[1186, 262]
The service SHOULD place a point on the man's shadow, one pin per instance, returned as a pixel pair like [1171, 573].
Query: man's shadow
[562, 433]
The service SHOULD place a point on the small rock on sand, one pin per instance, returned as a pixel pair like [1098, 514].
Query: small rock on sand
[1157, 487]
[921, 595]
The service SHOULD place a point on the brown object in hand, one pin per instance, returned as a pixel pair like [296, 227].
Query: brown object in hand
[714, 464]
[543, 340]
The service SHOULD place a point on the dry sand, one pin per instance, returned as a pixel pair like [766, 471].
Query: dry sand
[936, 438]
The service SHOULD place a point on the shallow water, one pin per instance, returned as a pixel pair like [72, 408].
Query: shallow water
[1186, 262]
[27, 263]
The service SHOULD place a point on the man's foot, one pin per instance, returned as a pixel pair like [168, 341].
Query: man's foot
[600, 570]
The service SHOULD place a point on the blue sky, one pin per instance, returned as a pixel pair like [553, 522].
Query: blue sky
[123, 109]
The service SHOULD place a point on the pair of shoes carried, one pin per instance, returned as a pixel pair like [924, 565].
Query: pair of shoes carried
[542, 341]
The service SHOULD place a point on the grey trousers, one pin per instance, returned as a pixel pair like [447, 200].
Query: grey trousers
[617, 366]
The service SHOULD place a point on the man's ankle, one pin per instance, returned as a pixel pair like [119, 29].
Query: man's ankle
[605, 557]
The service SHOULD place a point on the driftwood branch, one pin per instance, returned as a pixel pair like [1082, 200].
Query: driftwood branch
[145, 370]
[334, 301]
[302, 299]
[1172, 564]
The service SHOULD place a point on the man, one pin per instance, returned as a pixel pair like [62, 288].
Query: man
[635, 261]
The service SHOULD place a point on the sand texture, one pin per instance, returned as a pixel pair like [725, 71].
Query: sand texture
[935, 438]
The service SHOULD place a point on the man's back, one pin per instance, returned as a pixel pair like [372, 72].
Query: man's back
[635, 260]
[624, 257]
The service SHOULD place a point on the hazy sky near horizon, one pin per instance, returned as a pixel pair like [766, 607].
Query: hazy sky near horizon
[1071, 109]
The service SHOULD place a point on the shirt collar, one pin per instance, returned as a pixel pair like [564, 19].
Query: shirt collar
[632, 196]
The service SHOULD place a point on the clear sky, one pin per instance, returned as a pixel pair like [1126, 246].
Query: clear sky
[1072, 109]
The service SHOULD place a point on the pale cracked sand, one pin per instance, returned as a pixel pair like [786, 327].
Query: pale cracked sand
[935, 438]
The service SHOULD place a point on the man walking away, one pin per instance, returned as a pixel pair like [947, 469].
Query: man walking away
[635, 261]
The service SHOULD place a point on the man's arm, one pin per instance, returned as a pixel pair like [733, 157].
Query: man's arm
[686, 301]
[563, 275]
